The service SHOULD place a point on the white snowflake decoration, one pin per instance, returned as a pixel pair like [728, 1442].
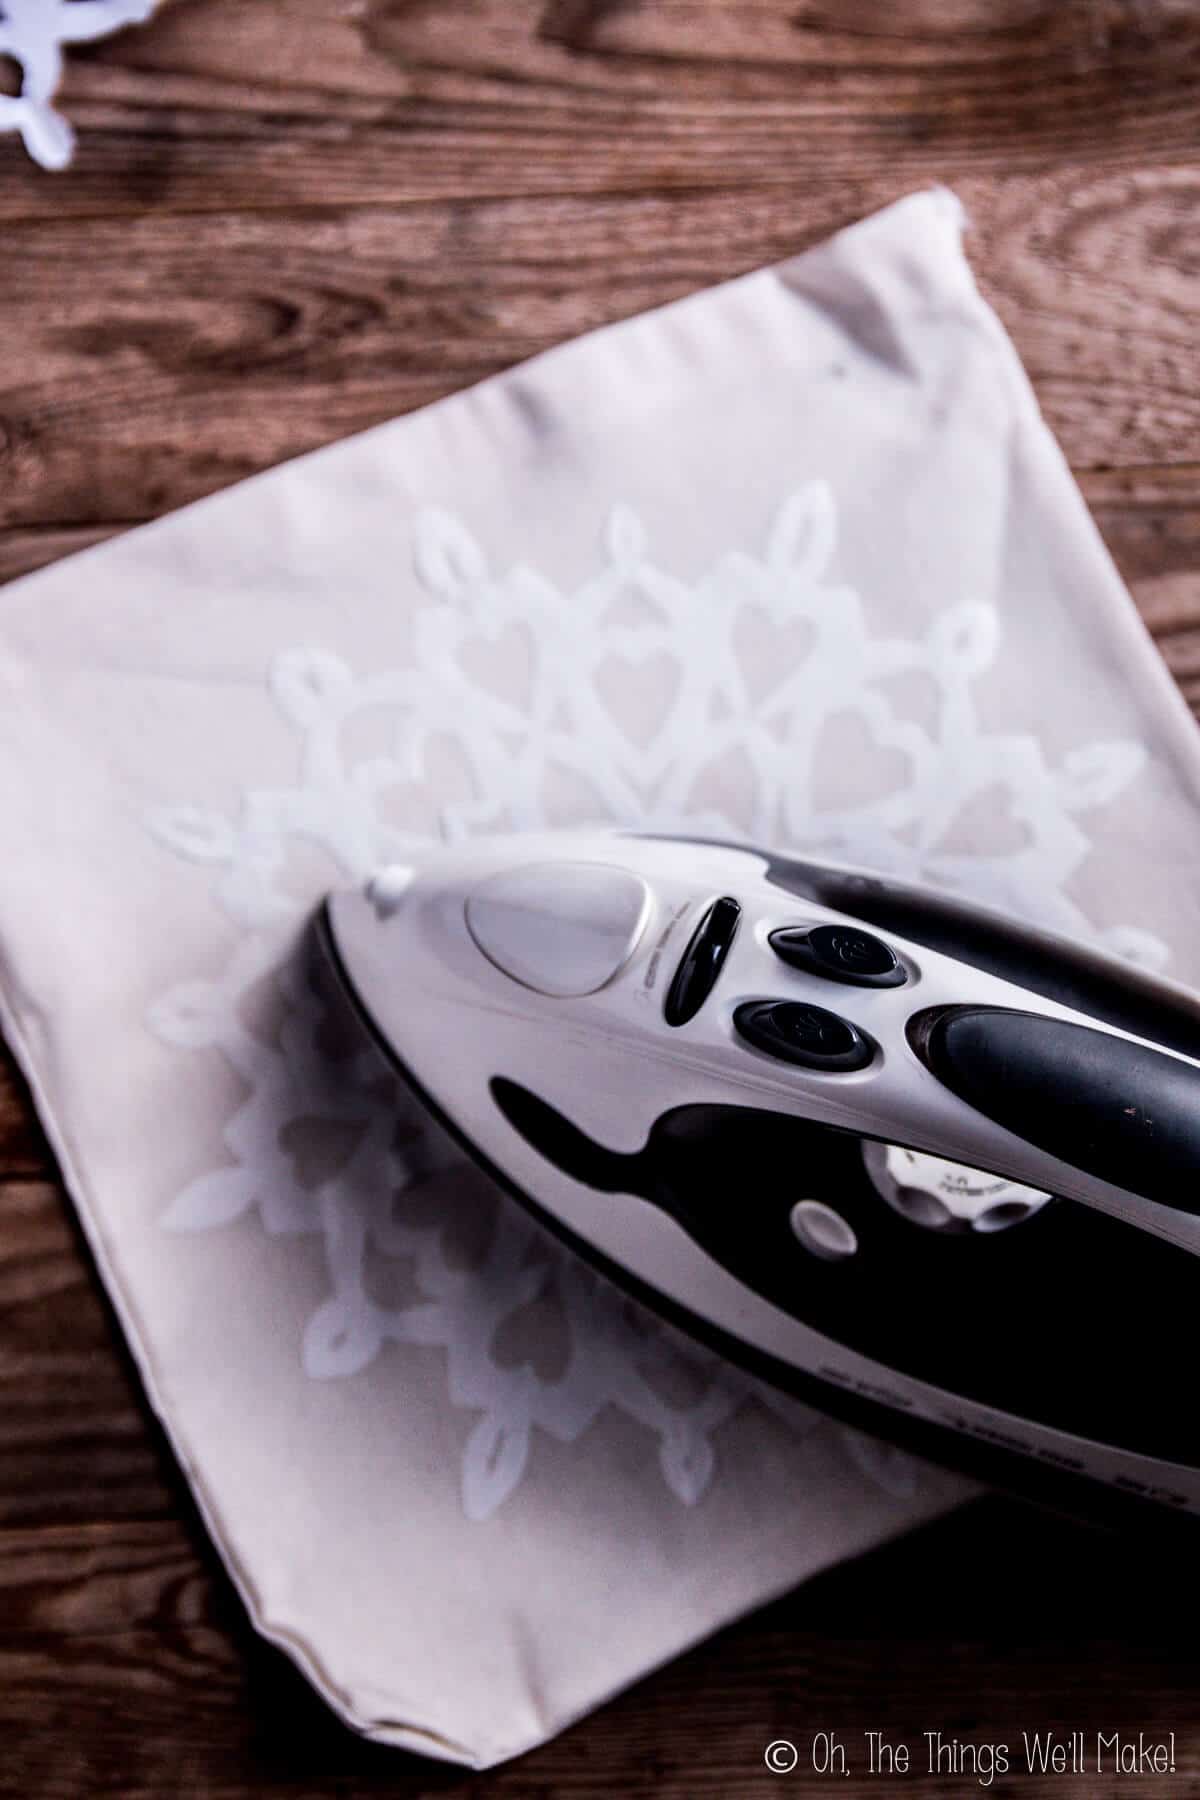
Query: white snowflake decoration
[32, 33]
[544, 737]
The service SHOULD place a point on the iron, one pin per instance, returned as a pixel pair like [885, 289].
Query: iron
[931, 1168]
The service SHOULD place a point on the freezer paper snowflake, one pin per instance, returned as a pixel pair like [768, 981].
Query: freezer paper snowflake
[32, 34]
[762, 700]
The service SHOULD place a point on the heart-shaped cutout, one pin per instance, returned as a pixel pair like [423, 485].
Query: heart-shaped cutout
[319, 1148]
[460, 1202]
[535, 1336]
[390, 1281]
[985, 825]
[768, 651]
[852, 769]
[728, 785]
[639, 693]
[914, 696]
[416, 807]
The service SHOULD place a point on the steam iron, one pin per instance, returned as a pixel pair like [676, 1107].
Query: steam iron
[934, 1171]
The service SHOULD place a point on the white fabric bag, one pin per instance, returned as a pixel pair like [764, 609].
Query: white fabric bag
[795, 559]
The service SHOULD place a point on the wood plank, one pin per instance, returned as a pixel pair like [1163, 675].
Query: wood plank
[215, 107]
[98, 1578]
[291, 219]
[23, 1149]
[75, 1440]
[128, 1670]
[200, 350]
[21, 552]
[1150, 519]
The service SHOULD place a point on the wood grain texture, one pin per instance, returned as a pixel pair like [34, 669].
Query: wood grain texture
[233, 102]
[74, 1444]
[203, 348]
[23, 1149]
[291, 219]
[122, 1640]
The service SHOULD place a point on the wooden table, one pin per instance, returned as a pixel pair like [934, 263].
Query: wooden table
[290, 219]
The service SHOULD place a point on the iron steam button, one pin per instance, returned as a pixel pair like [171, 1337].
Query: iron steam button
[808, 1036]
[840, 953]
[848, 948]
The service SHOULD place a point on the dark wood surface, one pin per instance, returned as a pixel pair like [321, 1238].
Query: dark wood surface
[293, 218]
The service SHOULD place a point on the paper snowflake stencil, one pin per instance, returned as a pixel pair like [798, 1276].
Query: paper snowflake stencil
[32, 33]
[637, 698]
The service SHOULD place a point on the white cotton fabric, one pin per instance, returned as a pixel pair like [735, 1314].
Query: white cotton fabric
[795, 559]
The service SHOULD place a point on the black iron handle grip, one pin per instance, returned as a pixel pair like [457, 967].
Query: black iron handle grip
[1117, 1110]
